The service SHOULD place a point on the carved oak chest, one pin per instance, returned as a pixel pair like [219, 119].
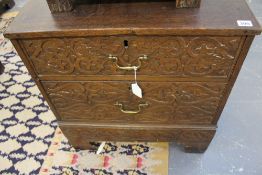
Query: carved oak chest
[187, 61]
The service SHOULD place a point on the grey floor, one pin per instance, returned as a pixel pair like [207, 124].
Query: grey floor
[237, 146]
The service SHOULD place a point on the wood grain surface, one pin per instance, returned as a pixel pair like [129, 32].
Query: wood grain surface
[193, 139]
[168, 103]
[134, 18]
[190, 56]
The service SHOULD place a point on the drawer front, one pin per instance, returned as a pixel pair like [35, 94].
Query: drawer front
[166, 103]
[173, 56]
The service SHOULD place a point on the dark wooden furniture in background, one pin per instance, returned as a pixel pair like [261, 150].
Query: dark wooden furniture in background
[188, 61]
[6, 5]
[68, 5]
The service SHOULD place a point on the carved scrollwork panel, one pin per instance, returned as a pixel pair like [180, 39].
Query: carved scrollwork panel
[187, 3]
[176, 56]
[187, 103]
[60, 5]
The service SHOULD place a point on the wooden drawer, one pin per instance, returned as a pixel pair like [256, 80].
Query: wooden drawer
[153, 55]
[113, 101]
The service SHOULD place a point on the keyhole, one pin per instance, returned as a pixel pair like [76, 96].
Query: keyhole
[126, 44]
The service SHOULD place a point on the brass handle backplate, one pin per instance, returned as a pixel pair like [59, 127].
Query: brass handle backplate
[115, 59]
[121, 106]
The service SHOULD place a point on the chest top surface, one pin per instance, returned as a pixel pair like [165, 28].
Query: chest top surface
[214, 17]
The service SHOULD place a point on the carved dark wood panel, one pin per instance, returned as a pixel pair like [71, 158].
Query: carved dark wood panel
[187, 3]
[196, 140]
[68, 5]
[177, 103]
[176, 56]
[60, 5]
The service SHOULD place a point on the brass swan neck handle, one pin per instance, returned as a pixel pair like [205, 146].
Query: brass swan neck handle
[140, 106]
[115, 60]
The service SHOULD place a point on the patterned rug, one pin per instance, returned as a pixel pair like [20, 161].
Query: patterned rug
[27, 125]
[31, 143]
[115, 159]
